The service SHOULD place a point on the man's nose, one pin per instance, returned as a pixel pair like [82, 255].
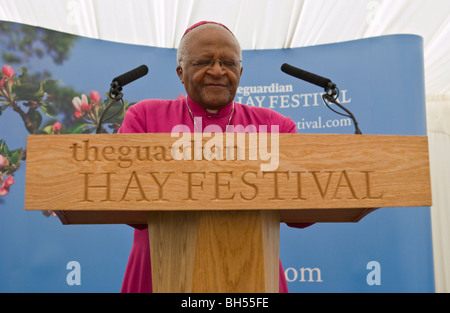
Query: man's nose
[216, 68]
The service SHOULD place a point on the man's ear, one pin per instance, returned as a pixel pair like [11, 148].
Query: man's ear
[180, 73]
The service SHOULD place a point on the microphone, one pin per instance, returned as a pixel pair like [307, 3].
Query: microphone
[308, 77]
[116, 95]
[131, 76]
[124, 79]
[331, 91]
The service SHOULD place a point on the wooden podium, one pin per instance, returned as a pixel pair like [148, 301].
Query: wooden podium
[213, 203]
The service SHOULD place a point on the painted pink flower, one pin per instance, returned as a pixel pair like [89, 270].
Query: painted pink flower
[9, 181]
[5, 184]
[81, 105]
[57, 127]
[4, 191]
[95, 96]
[2, 161]
[7, 71]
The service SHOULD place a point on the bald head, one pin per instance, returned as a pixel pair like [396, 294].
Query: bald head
[209, 65]
[184, 46]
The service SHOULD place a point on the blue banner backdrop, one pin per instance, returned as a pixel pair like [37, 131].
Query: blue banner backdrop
[381, 81]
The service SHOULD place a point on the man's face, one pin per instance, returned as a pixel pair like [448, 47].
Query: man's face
[211, 84]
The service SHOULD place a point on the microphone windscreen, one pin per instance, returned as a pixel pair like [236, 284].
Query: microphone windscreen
[132, 75]
[306, 76]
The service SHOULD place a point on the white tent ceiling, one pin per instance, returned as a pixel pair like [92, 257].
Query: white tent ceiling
[258, 24]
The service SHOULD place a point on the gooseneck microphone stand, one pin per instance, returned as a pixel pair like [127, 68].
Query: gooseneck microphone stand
[331, 95]
[116, 95]
[331, 91]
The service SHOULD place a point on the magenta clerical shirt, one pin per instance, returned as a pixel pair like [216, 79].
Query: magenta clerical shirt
[160, 116]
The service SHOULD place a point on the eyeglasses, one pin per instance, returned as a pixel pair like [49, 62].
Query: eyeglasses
[231, 64]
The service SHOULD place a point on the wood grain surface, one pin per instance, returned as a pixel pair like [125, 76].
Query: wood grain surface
[315, 175]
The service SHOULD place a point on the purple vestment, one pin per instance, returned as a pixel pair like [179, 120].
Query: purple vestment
[160, 116]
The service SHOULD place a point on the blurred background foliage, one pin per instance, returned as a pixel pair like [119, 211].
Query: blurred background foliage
[43, 103]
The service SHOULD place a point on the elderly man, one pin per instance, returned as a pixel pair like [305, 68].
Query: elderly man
[209, 65]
